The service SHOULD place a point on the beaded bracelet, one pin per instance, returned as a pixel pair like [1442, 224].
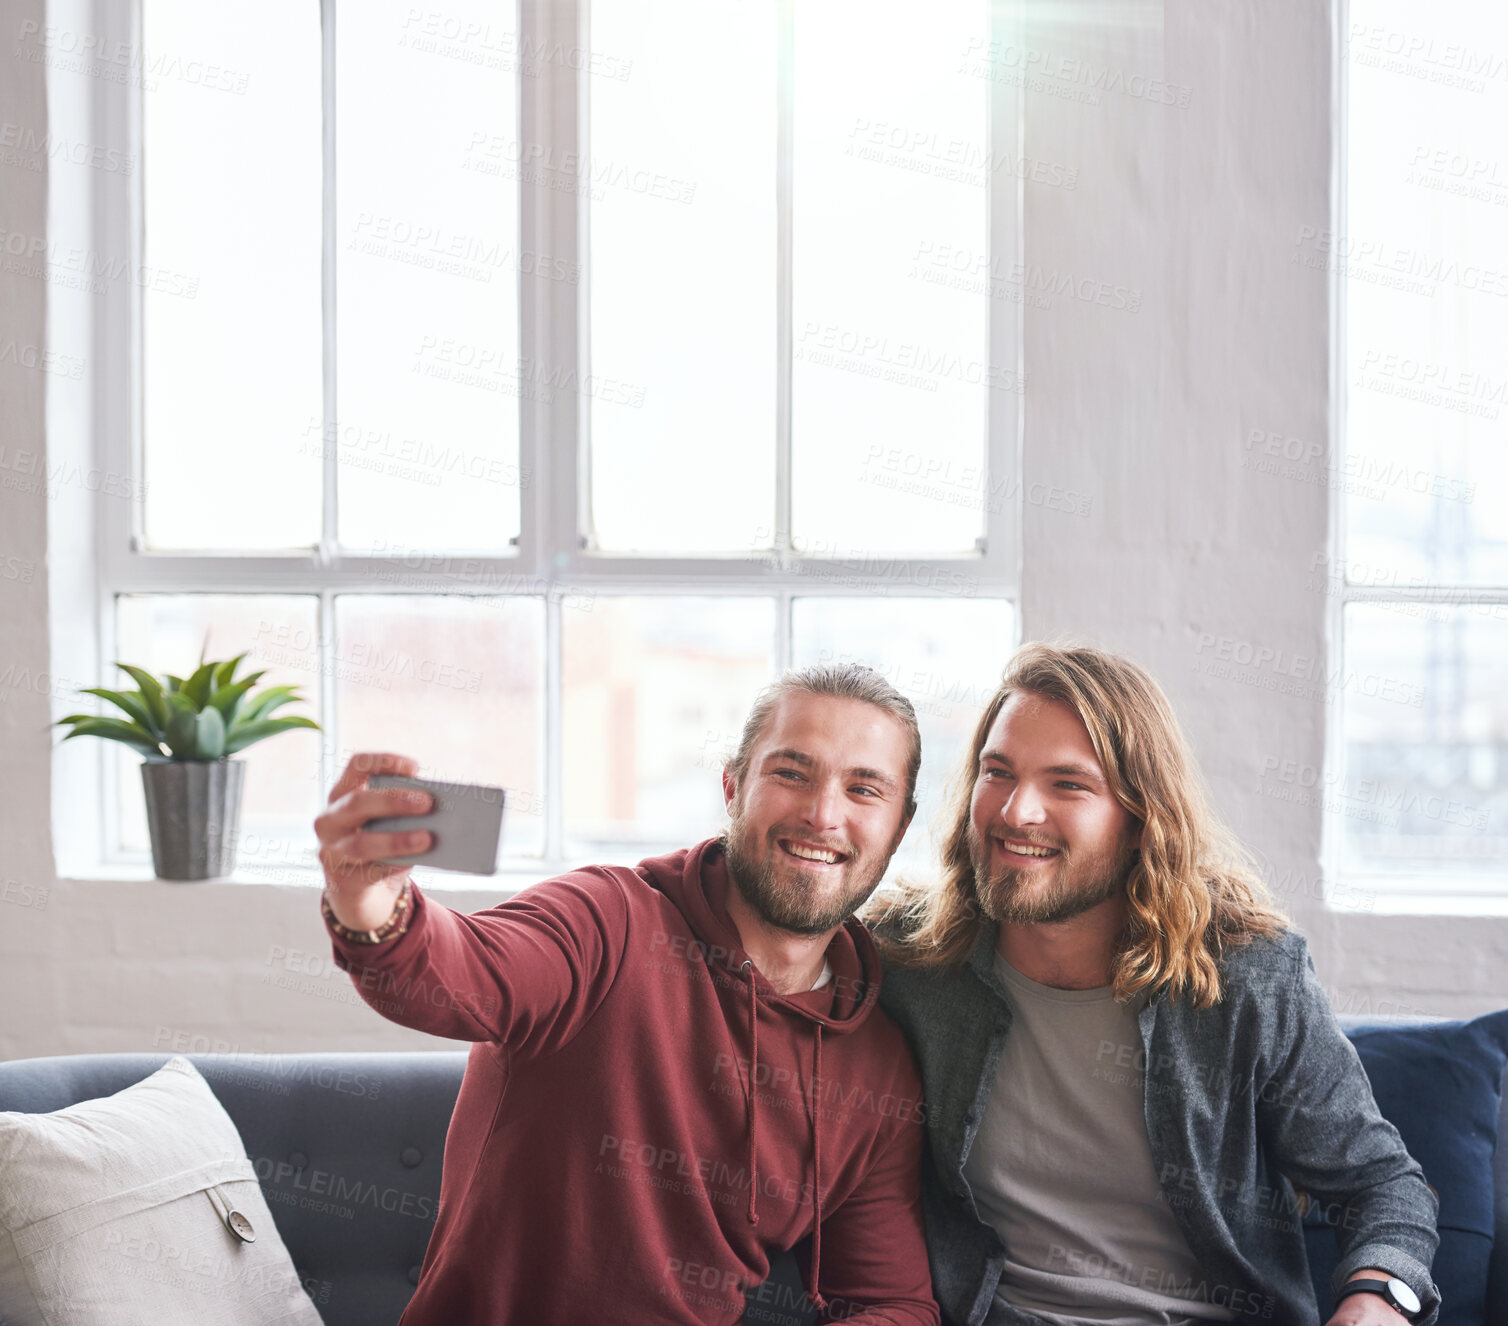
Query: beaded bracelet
[395, 925]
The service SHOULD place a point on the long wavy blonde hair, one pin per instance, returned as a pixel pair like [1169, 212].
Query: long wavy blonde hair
[1192, 888]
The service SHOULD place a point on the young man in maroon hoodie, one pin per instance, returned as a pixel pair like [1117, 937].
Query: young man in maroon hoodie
[679, 1066]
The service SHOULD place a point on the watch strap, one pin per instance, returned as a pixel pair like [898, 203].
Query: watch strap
[1378, 1287]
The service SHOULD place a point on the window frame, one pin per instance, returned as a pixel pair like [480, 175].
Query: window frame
[1437, 894]
[553, 555]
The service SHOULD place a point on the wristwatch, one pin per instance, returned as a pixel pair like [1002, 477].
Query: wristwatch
[1392, 1291]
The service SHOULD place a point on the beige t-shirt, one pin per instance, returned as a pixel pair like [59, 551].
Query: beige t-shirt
[1062, 1168]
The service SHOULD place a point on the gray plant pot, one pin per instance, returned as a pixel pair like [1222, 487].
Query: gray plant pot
[193, 812]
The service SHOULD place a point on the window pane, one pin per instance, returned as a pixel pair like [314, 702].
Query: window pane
[890, 372]
[458, 683]
[230, 287]
[944, 655]
[655, 693]
[1425, 790]
[681, 190]
[427, 276]
[1426, 476]
[281, 795]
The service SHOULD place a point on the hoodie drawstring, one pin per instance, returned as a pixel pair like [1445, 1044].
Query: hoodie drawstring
[748, 967]
[812, 1292]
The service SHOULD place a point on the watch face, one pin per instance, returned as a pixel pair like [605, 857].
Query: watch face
[1405, 1297]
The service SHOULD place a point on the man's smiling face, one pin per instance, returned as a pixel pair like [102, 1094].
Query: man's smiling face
[819, 811]
[1048, 839]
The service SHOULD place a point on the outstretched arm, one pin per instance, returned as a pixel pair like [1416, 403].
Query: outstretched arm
[526, 973]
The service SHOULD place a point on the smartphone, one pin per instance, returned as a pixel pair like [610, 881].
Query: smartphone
[466, 822]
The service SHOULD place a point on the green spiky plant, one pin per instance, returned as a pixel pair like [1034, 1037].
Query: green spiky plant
[207, 716]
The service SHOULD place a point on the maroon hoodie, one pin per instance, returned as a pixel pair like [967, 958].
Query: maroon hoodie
[606, 1159]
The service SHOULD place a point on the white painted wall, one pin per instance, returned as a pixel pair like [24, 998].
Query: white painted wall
[1194, 209]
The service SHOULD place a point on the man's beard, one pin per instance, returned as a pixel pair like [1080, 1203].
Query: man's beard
[1014, 895]
[792, 902]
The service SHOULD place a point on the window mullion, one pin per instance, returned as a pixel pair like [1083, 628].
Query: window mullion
[329, 738]
[784, 171]
[117, 224]
[554, 758]
[1003, 340]
[1334, 748]
[535, 234]
[124, 523]
[554, 427]
[106, 766]
[552, 114]
[329, 453]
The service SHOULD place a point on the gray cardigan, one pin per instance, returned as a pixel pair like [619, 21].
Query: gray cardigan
[1245, 1102]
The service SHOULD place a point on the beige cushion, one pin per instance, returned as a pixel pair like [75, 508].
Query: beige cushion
[119, 1211]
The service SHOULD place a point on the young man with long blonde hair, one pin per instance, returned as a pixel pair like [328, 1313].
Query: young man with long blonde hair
[1132, 1073]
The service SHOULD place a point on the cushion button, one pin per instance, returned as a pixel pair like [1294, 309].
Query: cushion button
[413, 1275]
[299, 1160]
[411, 1156]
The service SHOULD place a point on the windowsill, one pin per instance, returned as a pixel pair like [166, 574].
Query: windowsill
[504, 884]
[1398, 893]
[1374, 898]
[1393, 901]
[512, 876]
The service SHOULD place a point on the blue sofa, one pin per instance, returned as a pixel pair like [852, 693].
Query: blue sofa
[348, 1148]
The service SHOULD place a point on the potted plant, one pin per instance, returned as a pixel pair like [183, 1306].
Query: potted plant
[188, 729]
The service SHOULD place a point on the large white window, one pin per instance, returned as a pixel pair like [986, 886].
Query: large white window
[532, 386]
[1419, 802]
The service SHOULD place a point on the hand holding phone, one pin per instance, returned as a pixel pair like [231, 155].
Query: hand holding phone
[360, 887]
[465, 824]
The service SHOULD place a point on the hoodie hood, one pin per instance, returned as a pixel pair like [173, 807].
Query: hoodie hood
[696, 880]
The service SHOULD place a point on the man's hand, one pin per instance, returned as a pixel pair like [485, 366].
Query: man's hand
[1366, 1309]
[360, 889]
